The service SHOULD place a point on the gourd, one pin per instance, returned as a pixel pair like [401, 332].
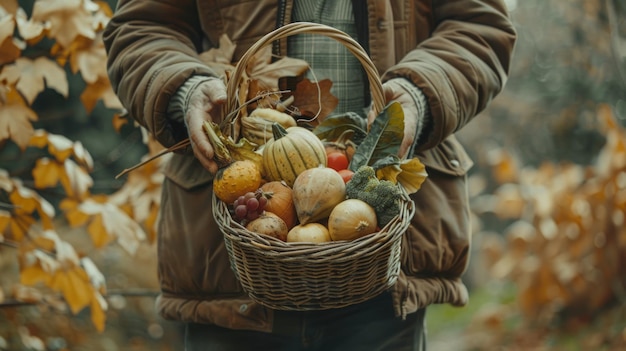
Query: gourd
[316, 191]
[280, 201]
[351, 219]
[236, 179]
[257, 127]
[290, 152]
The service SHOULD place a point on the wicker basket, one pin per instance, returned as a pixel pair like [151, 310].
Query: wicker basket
[308, 276]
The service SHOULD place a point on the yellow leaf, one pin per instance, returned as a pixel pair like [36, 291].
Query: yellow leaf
[20, 224]
[100, 90]
[409, 173]
[44, 243]
[60, 146]
[39, 138]
[75, 180]
[68, 19]
[98, 313]
[504, 166]
[33, 275]
[150, 223]
[98, 232]
[31, 76]
[76, 218]
[73, 214]
[24, 199]
[90, 61]
[389, 173]
[15, 120]
[74, 285]
[413, 175]
[46, 173]
[5, 219]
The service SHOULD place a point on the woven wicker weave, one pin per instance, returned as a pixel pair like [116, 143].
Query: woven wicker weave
[308, 276]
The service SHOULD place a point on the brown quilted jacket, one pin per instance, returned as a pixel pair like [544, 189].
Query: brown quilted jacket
[457, 52]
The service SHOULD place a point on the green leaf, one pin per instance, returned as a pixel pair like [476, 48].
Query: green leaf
[332, 127]
[383, 139]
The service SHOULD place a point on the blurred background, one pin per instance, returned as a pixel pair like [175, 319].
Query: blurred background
[548, 196]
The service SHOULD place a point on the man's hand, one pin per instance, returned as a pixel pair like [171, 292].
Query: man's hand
[397, 90]
[204, 104]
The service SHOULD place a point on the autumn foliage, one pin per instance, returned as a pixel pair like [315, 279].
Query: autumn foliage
[564, 248]
[39, 52]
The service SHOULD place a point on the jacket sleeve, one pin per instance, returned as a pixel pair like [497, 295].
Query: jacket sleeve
[152, 48]
[462, 66]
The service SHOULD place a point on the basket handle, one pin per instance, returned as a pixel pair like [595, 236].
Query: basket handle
[376, 89]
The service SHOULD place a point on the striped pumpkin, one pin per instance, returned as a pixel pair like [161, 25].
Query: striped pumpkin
[290, 152]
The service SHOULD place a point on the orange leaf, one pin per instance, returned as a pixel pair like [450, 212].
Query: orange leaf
[313, 99]
[5, 220]
[504, 166]
[9, 49]
[150, 223]
[100, 90]
[119, 120]
[15, 120]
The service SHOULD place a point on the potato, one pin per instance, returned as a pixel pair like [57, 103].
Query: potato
[269, 224]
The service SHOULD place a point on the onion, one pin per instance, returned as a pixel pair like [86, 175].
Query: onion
[351, 219]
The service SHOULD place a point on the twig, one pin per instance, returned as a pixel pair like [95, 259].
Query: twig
[178, 146]
[110, 293]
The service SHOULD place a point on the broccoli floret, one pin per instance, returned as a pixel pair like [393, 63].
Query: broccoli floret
[382, 195]
[364, 179]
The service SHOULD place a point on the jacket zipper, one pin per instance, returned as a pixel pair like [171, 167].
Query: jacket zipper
[361, 23]
[280, 21]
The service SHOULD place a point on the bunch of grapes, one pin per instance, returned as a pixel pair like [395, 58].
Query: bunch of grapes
[249, 206]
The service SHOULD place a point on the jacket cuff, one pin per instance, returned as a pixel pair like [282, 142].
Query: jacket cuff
[423, 111]
[180, 100]
[412, 293]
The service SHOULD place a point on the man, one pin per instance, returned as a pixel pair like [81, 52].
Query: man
[443, 60]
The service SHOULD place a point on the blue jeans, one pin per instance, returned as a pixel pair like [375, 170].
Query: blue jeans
[371, 325]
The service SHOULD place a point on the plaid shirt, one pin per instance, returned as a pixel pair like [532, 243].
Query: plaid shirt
[327, 57]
